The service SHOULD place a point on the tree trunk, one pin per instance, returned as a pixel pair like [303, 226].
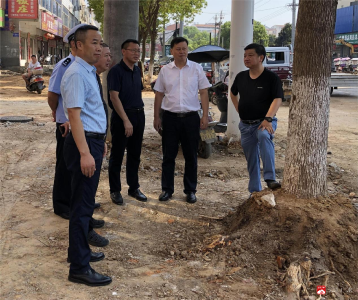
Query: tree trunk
[305, 172]
[144, 41]
[121, 19]
[152, 54]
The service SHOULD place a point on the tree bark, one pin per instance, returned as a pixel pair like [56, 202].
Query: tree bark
[152, 54]
[121, 19]
[305, 172]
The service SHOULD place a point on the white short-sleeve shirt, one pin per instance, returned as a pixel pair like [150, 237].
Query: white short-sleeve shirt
[35, 65]
[181, 86]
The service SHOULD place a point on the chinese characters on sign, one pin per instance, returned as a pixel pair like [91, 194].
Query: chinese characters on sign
[49, 24]
[349, 37]
[23, 9]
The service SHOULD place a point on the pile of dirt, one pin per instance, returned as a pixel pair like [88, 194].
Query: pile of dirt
[270, 239]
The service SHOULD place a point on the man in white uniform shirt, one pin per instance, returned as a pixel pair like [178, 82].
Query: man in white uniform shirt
[176, 94]
[32, 65]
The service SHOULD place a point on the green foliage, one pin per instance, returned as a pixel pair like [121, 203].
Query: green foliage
[272, 40]
[260, 34]
[284, 37]
[184, 9]
[98, 8]
[225, 33]
[195, 37]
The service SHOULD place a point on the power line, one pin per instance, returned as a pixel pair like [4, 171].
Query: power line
[274, 14]
[270, 8]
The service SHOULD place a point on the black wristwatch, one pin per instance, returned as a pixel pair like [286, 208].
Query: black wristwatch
[268, 119]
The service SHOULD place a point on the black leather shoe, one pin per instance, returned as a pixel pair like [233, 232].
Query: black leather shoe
[64, 215]
[94, 239]
[138, 195]
[91, 278]
[96, 223]
[117, 198]
[164, 196]
[95, 256]
[273, 184]
[97, 205]
[190, 197]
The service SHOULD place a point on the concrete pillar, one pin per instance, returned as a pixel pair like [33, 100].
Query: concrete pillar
[241, 34]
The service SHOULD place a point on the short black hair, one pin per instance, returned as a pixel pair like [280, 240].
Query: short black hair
[178, 40]
[259, 49]
[33, 55]
[104, 45]
[80, 34]
[126, 43]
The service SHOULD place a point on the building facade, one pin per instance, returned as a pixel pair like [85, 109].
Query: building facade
[38, 27]
[346, 29]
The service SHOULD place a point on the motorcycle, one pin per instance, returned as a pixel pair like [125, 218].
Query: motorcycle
[36, 81]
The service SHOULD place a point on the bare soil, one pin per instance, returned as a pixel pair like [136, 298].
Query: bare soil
[222, 247]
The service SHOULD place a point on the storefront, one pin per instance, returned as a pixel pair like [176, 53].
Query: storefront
[350, 49]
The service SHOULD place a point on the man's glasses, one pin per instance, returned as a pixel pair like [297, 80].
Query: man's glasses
[134, 50]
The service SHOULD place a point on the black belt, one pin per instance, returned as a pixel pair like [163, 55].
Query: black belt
[182, 114]
[252, 122]
[134, 109]
[94, 135]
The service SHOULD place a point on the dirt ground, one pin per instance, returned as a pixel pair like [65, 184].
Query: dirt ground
[222, 247]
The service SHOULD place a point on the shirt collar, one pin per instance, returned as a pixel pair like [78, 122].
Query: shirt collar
[72, 56]
[172, 64]
[86, 65]
[123, 65]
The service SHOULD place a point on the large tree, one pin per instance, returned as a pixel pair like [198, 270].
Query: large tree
[271, 40]
[97, 6]
[260, 34]
[284, 37]
[195, 37]
[305, 172]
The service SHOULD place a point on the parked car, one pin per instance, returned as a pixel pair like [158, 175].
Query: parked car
[208, 70]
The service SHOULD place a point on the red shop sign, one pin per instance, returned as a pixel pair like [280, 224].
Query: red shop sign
[23, 9]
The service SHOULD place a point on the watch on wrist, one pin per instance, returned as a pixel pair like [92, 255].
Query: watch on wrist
[268, 119]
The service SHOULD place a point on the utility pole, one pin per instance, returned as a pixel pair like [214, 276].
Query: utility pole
[216, 17]
[241, 34]
[163, 44]
[293, 5]
[221, 17]
[181, 28]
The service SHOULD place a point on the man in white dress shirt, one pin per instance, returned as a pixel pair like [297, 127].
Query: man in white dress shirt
[176, 94]
[32, 65]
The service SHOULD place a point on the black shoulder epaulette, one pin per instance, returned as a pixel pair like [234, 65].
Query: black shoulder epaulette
[66, 62]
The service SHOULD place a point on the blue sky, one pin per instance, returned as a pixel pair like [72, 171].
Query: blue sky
[268, 12]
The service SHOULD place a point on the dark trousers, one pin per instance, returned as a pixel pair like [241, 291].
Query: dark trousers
[82, 201]
[134, 148]
[61, 192]
[185, 130]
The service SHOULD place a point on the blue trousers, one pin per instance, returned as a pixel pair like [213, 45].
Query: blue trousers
[256, 143]
[82, 201]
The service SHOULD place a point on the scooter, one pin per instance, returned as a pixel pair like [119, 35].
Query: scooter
[36, 81]
[219, 96]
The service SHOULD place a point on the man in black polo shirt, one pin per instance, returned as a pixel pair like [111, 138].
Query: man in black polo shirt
[261, 95]
[127, 121]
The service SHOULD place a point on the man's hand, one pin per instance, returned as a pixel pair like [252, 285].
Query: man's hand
[204, 122]
[105, 150]
[266, 125]
[53, 115]
[128, 128]
[66, 126]
[157, 124]
[88, 166]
